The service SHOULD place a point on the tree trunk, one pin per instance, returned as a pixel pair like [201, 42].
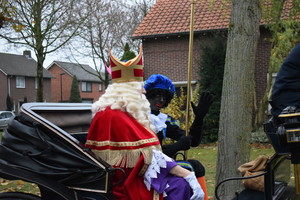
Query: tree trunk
[40, 77]
[39, 49]
[237, 103]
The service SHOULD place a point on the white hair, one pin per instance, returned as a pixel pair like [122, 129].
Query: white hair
[127, 97]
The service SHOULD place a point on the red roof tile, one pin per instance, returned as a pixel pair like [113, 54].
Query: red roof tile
[173, 16]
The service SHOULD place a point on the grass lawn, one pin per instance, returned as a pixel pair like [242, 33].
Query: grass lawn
[206, 154]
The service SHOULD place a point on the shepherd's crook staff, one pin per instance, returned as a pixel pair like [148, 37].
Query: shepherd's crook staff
[190, 62]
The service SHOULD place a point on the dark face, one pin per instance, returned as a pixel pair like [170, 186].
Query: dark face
[157, 102]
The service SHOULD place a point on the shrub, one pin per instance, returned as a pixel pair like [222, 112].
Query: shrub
[211, 72]
[75, 94]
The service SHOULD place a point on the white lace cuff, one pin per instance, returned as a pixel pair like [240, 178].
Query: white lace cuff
[159, 160]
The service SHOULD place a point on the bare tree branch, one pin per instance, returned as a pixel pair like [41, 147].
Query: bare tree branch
[110, 27]
[45, 26]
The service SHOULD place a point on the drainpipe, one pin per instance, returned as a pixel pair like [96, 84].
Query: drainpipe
[8, 85]
[61, 94]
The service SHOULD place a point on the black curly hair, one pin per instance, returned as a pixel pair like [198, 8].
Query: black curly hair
[166, 93]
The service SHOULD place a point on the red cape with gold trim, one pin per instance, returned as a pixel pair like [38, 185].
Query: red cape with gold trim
[119, 139]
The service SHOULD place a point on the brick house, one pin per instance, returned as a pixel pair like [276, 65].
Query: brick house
[90, 86]
[18, 80]
[165, 37]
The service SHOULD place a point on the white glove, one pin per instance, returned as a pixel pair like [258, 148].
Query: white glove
[198, 193]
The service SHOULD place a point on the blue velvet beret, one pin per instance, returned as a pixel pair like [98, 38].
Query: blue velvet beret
[159, 81]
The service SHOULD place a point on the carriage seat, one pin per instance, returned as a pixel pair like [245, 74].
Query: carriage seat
[73, 122]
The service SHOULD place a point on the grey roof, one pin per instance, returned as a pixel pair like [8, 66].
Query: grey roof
[81, 71]
[20, 65]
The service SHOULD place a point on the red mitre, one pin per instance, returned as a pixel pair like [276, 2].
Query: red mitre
[131, 70]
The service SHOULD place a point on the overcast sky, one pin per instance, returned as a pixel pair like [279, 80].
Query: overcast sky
[60, 55]
[57, 55]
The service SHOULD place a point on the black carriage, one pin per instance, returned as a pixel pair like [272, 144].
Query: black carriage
[44, 145]
[282, 172]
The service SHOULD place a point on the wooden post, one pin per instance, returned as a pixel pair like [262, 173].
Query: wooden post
[190, 62]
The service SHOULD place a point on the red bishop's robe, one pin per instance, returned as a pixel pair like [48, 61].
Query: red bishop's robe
[121, 141]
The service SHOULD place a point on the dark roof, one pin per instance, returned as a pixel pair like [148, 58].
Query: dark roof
[172, 17]
[20, 65]
[81, 71]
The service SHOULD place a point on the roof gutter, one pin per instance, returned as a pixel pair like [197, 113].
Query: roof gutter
[3, 72]
[183, 83]
[178, 34]
[174, 34]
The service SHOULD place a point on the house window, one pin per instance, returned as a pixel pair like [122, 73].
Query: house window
[86, 86]
[20, 82]
[274, 75]
[100, 87]
[35, 83]
[87, 100]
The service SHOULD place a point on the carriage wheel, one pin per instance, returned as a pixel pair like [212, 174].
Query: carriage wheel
[18, 196]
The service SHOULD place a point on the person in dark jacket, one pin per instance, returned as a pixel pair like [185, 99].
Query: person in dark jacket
[159, 91]
[286, 88]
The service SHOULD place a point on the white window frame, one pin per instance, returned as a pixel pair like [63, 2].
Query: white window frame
[274, 75]
[87, 101]
[20, 82]
[100, 87]
[35, 83]
[85, 86]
